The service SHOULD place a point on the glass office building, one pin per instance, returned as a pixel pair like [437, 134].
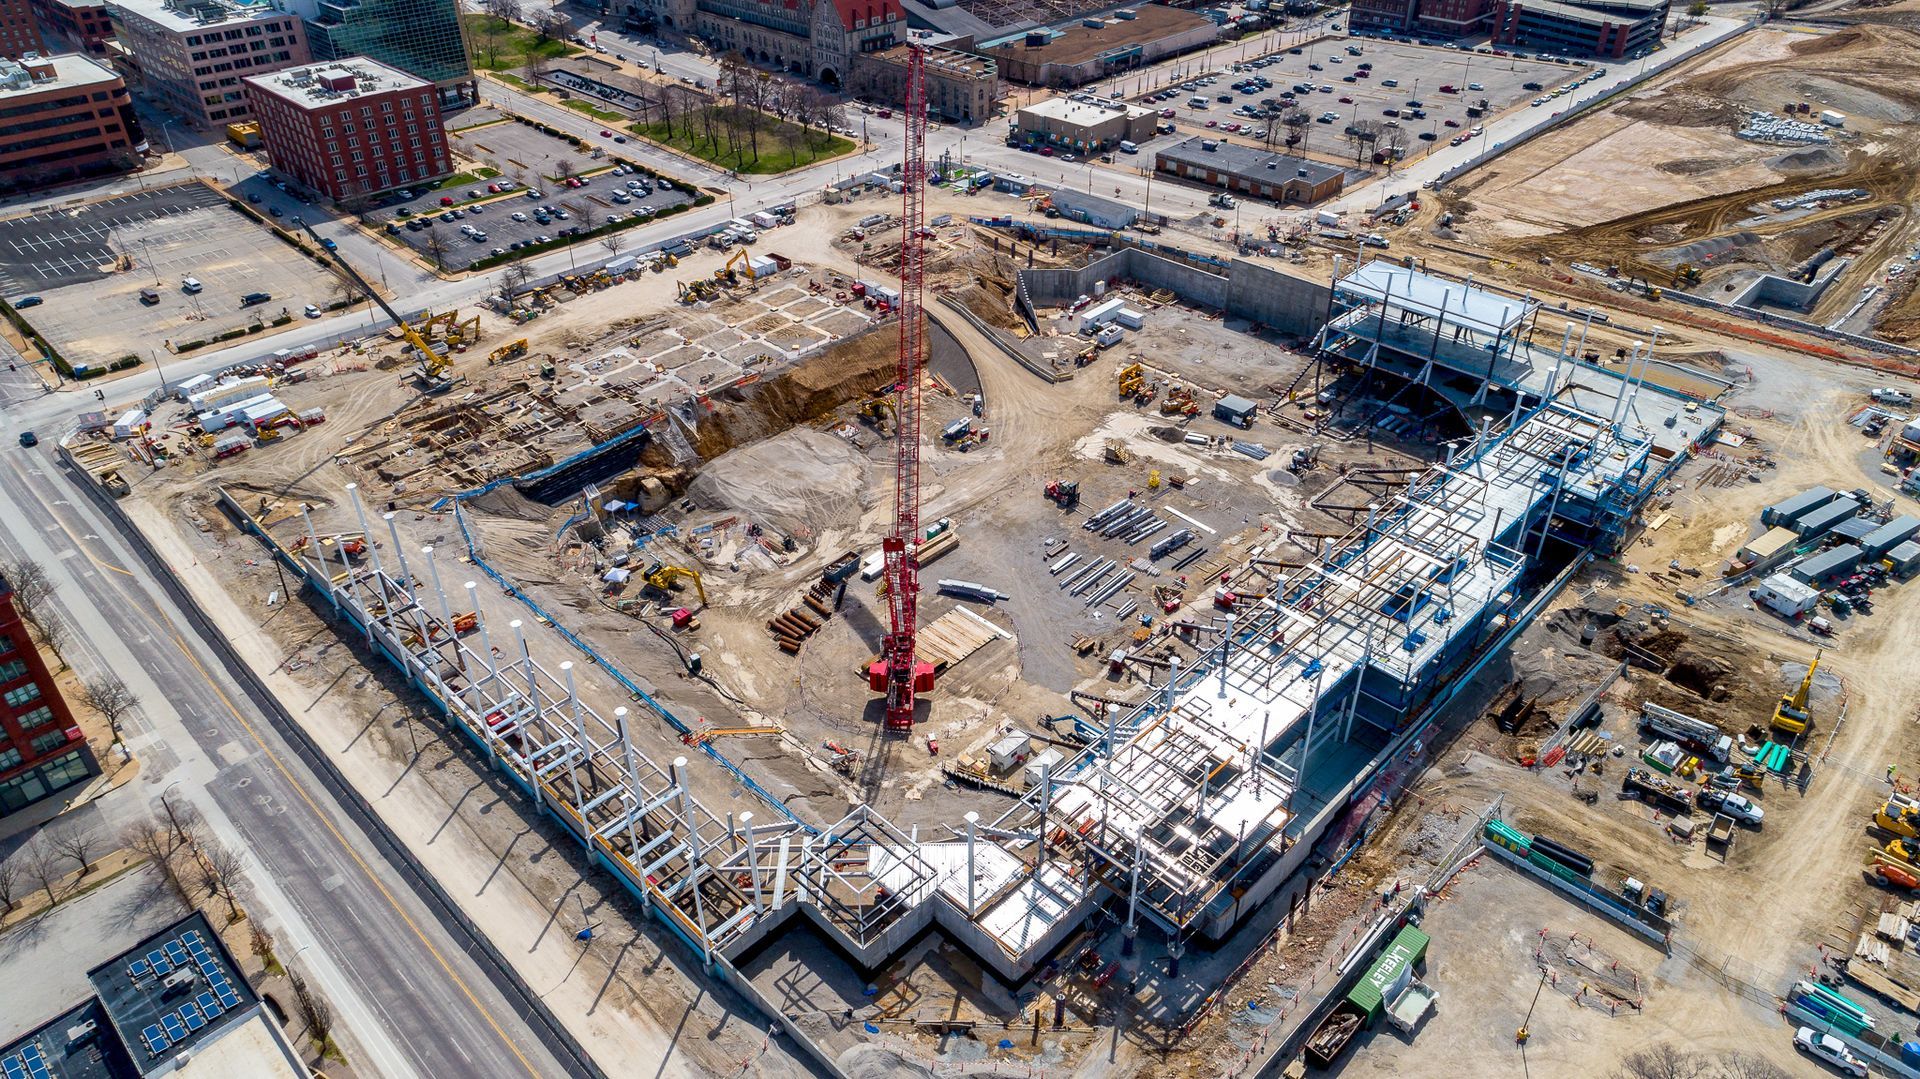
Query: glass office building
[420, 37]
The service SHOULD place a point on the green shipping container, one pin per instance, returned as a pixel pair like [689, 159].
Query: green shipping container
[1409, 947]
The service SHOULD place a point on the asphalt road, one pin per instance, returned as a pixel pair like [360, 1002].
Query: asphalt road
[415, 996]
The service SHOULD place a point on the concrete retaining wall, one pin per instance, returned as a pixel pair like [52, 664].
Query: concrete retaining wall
[1247, 290]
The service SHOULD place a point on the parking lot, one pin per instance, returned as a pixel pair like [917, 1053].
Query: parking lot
[1417, 73]
[480, 222]
[186, 231]
[73, 245]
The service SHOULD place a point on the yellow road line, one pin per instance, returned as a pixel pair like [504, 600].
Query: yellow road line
[366, 870]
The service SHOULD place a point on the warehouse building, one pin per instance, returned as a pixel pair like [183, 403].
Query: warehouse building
[1827, 518]
[1089, 49]
[1828, 565]
[1093, 210]
[1250, 170]
[1784, 513]
[1083, 124]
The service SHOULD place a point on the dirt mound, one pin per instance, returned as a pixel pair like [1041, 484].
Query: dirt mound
[874, 1062]
[1812, 159]
[1844, 41]
[802, 481]
[1692, 166]
[811, 389]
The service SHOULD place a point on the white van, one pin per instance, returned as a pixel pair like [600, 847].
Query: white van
[1129, 147]
[191, 284]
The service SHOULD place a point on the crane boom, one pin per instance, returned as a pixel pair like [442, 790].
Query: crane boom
[434, 366]
[899, 672]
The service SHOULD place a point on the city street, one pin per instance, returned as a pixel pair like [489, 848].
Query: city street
[413, 996]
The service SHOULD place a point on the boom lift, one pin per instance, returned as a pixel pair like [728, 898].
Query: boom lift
[899, 672]
[1791, 713]
[432, 372]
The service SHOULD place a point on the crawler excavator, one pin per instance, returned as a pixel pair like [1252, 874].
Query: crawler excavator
[663, 579]
[1791, 713]
[432, 372]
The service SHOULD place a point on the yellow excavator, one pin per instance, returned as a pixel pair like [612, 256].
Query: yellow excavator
[432, 372]
[663, 578]
[1791, 713]
[727, 272]
[512, 350]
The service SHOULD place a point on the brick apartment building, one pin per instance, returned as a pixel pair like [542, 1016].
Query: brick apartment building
[961, 88]
[75, 25]
[19, 33]
[41, 748]
[190, 55]
[350, 128]
[63, 116]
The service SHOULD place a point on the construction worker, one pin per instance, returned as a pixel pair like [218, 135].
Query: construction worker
[1890, 771]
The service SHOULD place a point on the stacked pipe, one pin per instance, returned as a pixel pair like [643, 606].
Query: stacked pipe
[792, 628]
[1171, 544]
[1097, 520]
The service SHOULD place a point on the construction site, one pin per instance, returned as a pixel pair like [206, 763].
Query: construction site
[968, 643]
[1776, 174]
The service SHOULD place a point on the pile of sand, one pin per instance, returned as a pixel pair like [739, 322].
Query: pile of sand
[801, 479]
[874, 1062]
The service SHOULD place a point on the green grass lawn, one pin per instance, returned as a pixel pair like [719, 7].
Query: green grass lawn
[518, 83]
[776, 153]
[499, 45]
[464, 179]
[595, 111]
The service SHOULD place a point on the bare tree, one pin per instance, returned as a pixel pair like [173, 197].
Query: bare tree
[515, 275]
[1297, 123]
[9, 885]
[1740, 1064]
[1393, 142]
[262, 944]
[316, 1012]
[504, 10]
[550, 25]
[54, 633]
[154, 843]
[533, 67]
[437, 248]
[43, 864]
[613, 241]
[78, 844]
[183, 823]
[1362, 134]
[31, 586]
[110, 697]
[1662, 1061]
[221, 866]
[564, 168]
[342, 290]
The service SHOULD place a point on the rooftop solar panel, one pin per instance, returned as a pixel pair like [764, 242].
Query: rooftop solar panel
[195, 1021]
[229, 998]
[174, 1027]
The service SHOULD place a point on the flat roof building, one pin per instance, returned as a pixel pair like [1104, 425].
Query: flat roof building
[19, 32]
[1084, 50]
[62, 117]
[174, 1004]
[1828, 565]
[1083, 123]
[420, 37]
[76, 25]
[1250, 170]
[351, 128]
[42, 750]
[961, 88]
[1601, 28]
[191, 55]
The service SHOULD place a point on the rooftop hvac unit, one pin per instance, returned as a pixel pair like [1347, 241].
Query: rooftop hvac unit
[1127, 13]
[1093, 24]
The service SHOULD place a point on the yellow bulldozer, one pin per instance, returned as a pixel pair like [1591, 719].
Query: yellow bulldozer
[700, 289]
[512, 350]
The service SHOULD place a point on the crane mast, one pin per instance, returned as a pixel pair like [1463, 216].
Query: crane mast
[899, 672]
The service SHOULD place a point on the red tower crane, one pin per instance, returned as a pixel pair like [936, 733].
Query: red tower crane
[899, 673]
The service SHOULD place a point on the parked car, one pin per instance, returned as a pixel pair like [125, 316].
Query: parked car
[313, 311]
[253, 299]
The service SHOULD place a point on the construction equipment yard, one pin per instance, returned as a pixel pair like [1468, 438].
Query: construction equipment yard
[1310, 639]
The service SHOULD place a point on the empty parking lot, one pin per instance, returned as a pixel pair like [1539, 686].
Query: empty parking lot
[70, 245]
[94, 313]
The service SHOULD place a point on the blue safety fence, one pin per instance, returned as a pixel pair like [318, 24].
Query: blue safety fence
[607, 665]
[539, 474]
